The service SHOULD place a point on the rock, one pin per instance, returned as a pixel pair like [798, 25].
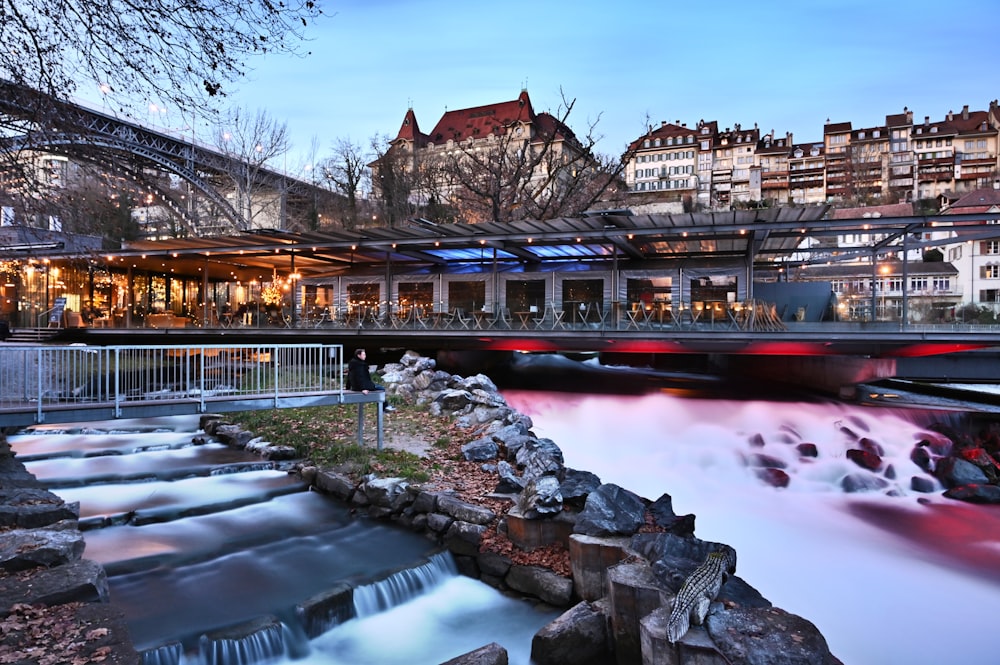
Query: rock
[464, 538]
[922, 458]
[480, 450]
[862, 482]
[773, 477]
[975, 493]
[466, 512]
[767, 636]
[922, 484]
[21, 549]
[335, 484]
[807, 450]
[491, 654]
[32, 508]
[540, 498]
[509, 483]
[611, 511]
[80, 581]
[386, 492]
[870, 446]
[579, 636]
[551, 587]
[576, 485]
[494, 563]
[865, 459]
[954, 471]
[540, 457]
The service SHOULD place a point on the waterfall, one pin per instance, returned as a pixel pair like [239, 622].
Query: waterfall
[403, 585]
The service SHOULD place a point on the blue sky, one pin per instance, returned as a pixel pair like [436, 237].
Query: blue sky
[787, 66]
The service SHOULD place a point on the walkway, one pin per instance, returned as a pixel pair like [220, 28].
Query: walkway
[58, 384]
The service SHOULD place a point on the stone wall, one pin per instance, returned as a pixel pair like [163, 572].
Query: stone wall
[53, 603]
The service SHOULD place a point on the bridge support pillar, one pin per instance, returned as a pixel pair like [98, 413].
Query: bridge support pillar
[836, 375]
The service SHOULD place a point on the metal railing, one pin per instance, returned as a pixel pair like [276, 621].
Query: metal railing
[51, 377]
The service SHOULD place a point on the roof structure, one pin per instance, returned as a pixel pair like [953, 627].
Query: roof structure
[760, 238]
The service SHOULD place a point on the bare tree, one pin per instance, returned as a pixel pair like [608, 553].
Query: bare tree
[540, 171]
[179, 51]
[347, 171]
[254, 141]
[395, 179]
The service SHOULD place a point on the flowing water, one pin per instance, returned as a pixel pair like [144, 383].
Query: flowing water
[911, 579]
[199, 538]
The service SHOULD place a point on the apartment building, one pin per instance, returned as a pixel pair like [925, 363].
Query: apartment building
[978, 258]
[663, 169]
[899, 161]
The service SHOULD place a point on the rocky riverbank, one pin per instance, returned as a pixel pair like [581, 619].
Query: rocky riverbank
[514, 516]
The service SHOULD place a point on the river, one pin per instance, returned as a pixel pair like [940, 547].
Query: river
[911, 579]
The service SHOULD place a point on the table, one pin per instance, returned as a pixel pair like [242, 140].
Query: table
[525, 318]
[439, 319]
[481, 318]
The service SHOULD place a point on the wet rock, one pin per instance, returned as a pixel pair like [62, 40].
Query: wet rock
[865, 459]
[551, 587]
[862, 482]
[953, 472]
[975, 493]
[579, 636]
[807, 450]
[922, 484]
[773, 477]
[491, 654]
[922, 458]
[765, 461]
[611, 511]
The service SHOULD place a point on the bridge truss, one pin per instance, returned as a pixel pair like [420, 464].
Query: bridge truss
[33, 121]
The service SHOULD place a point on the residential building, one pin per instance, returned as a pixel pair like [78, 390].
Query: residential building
[978, 257]
[772, 166]
[661, 175]
[958, 153]
[807, 174]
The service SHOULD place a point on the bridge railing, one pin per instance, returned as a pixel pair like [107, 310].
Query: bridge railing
[46, 376]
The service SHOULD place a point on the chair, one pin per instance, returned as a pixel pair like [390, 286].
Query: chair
[550, 318]
[502, 319]
[461, 317]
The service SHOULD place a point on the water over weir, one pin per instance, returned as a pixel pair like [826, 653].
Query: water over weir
[216, 557]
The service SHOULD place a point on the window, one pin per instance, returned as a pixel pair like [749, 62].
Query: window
[990, 271]
[918, 284]
[991, 247]
[942, 283]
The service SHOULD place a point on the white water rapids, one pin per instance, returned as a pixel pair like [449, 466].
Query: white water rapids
[885, 579]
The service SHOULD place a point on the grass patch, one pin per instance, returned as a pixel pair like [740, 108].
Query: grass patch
[327, 436]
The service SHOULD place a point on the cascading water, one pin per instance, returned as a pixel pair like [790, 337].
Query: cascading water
[887, 575]
[217, 559]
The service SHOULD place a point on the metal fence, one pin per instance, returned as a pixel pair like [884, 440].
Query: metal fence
[43, 377]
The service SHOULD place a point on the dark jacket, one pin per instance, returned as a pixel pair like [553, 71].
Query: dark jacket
[358, 376]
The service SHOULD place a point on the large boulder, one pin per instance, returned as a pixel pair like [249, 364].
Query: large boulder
[611, 511]
[579, 636]
[767, 636]
[540, 457]
[540, 498]
[540, 582]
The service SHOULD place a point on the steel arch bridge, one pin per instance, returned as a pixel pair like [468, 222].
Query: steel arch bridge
[33, 120]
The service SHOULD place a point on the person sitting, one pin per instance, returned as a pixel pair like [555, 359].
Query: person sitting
[359, 376]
